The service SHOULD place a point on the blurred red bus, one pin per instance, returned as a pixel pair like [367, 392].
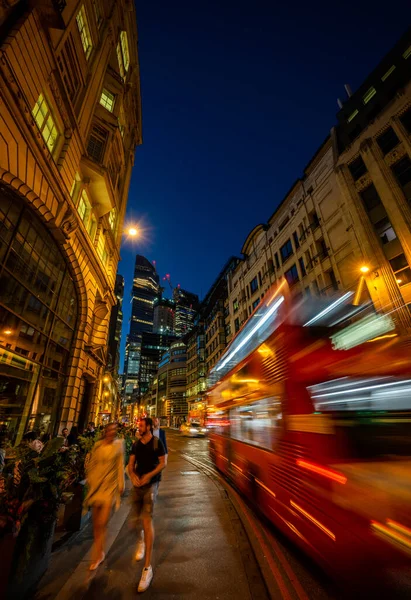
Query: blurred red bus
[310, 417]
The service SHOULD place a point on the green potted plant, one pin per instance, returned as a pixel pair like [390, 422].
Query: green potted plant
[32, 488]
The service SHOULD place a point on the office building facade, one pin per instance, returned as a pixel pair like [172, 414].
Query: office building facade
[187, 305]
[145, 291]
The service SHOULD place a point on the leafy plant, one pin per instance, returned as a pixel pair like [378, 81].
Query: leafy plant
[33, 484]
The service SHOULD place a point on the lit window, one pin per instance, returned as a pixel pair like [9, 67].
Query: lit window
[401, 270]
[73, 188]
[352, 116]
[84, 31]
[85, 212]
[101, 249]
[120, 60]
[407, 53]
[107, 100]
[388, 73]
[124, 50]
[45, 122]
[112, 218]
[370, 94]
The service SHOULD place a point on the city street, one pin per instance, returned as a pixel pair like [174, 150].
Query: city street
[209, 544]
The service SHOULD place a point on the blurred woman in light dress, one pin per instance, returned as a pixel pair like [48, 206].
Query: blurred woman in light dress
[105, 482]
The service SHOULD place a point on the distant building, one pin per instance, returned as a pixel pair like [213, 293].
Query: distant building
[164, 316]
[70, 122]
[207, 341]
[111, 376]
[187, 305]
[350, 208]
[214, 313]
[146, 289]
[196, 371]
[373, 170]
[116, 323]
[153, 346]
[171, 385]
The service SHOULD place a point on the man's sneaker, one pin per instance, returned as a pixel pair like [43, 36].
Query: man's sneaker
[141, 550]
[146, 577]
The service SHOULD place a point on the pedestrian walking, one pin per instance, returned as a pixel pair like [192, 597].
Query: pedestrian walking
[105, 481]
[147, 459]
[160, 433]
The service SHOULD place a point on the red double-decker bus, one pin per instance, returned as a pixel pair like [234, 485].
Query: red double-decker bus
[310, 417]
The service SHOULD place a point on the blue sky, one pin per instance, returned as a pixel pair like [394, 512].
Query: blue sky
[237, 97]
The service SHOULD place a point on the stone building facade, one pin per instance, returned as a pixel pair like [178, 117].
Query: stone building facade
[349, 210]
[70, 121]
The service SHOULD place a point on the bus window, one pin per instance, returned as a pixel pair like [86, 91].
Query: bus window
[257, 423]
[372, 414]
[218, 422]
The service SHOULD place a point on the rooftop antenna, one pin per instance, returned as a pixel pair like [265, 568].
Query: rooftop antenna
[348, 89]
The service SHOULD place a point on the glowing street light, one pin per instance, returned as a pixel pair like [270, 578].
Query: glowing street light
[363, 270]
[106, 379]
[132, 231]
[7, 332]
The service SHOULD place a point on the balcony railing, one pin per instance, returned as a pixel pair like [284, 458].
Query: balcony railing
[318, 257]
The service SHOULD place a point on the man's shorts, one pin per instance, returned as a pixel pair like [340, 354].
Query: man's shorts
[143, 500]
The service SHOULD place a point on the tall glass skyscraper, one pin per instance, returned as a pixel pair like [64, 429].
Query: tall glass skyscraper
[187, 306]
[146, 289]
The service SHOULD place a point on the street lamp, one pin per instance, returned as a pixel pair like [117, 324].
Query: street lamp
[132, 231]
[363, 270]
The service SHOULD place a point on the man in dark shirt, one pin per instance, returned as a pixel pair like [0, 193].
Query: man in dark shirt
[147, 460]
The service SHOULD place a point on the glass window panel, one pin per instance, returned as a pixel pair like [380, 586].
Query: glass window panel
[124, 50]
[84, 31]
[62, 334]
[45, 122]
[258, 423]
[38, 272]
[18, 299]
[399, 262]
[107, 100]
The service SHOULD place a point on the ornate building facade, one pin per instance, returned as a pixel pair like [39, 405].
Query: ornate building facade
[70, 121]
[350, 210]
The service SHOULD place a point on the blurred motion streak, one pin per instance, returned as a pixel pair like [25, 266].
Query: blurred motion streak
[394, 535]
[313, 520]
[312, 424]
[321, 471]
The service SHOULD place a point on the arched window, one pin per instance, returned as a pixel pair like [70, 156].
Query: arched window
[38, 316]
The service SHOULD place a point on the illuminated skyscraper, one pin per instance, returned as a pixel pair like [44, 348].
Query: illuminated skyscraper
[187, 305]
[146, 289]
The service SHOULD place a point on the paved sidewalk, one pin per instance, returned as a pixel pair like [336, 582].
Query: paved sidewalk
[196, 554]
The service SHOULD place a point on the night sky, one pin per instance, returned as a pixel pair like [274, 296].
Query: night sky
[237, 97]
